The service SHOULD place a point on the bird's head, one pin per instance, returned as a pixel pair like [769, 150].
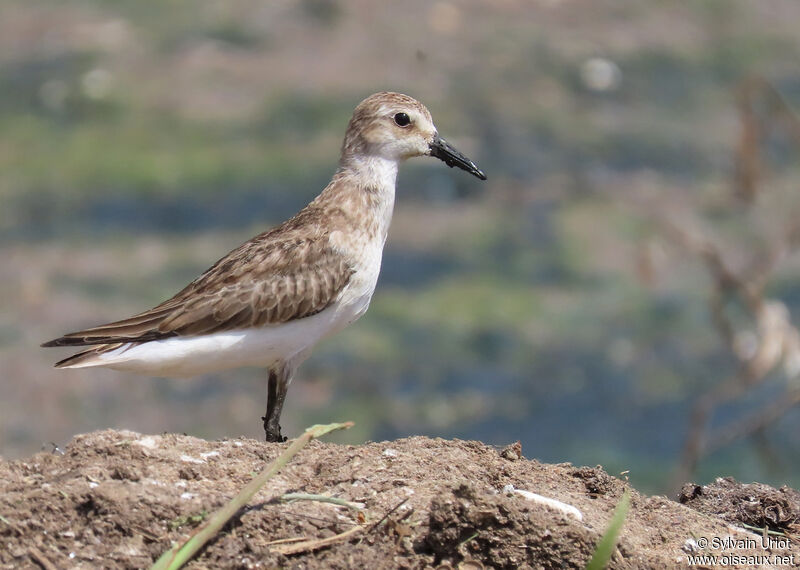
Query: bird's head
[396, 127]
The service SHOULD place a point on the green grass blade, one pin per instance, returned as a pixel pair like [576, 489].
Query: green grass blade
[608, 542]
[179, 555]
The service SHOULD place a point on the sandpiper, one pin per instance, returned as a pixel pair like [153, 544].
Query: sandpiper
[269, 301]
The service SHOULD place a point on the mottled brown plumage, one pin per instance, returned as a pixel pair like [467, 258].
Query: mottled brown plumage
[289, 272]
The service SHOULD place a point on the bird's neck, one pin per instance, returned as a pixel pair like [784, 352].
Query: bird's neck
[369, 171]
[361, 194]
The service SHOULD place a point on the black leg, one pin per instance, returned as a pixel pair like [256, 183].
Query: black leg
[276, 394]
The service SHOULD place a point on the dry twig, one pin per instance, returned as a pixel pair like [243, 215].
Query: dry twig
[776, 339]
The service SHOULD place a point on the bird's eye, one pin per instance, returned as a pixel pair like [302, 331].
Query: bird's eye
[402, 120]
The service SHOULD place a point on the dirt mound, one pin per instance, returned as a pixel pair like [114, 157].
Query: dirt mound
[118, 499]
[753, 504]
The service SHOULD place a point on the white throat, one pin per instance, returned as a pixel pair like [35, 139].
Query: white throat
[374, 172]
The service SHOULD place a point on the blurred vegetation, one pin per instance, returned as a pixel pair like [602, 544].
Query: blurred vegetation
[158, 136]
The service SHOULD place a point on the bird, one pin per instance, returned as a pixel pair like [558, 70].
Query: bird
[268, 302]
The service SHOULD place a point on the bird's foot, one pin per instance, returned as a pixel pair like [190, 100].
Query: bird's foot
[275, 437]
[272, 432]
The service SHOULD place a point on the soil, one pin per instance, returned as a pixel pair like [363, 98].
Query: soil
[118, 499]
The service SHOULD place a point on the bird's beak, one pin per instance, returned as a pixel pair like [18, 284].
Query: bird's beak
[442, 150]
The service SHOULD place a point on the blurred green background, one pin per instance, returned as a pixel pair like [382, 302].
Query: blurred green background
[141, 141]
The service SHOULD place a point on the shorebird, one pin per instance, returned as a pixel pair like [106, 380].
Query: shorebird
[269, 301]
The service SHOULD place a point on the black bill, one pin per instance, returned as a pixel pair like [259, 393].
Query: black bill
[442, 150]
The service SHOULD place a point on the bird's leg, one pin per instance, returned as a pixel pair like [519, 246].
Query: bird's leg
[276, 394]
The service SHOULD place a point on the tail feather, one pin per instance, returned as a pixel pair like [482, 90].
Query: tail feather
[139, 328]
[87, 358]
[87, 340]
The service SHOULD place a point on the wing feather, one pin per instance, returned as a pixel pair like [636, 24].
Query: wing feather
[274, 278]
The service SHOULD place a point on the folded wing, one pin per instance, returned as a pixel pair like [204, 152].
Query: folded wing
[274, 278]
